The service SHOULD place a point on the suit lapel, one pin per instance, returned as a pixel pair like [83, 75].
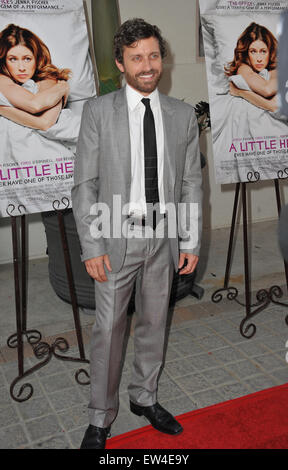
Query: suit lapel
[170, 142]
[121, 129]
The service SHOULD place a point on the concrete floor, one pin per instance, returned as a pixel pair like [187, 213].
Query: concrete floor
[207, 359]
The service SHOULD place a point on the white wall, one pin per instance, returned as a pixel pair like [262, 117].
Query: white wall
[184, 78]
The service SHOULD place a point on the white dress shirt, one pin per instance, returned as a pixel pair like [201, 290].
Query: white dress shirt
[136, 111]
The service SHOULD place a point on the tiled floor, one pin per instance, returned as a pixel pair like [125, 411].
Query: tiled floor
[207, 359]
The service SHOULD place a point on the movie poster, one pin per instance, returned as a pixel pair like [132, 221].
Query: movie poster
[46, 75]
[249, 133]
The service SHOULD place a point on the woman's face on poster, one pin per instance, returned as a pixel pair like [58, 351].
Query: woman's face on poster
[258, 54]
[21, 63]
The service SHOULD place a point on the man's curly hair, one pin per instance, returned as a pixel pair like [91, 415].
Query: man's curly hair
[134, 30]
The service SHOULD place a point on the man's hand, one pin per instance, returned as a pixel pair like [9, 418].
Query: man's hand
[192, 261]
[95, 267]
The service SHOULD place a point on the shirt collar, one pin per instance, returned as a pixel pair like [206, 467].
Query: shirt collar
[134, 97]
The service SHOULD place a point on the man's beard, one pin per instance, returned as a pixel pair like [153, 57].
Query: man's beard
[140, 85]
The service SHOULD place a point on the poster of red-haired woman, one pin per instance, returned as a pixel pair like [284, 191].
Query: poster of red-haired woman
[249, 132]
[46, 75]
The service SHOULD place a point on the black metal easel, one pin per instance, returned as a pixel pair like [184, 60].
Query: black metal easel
[41, 349]
[264, 297]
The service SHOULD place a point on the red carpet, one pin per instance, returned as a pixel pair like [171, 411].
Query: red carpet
[256, 421]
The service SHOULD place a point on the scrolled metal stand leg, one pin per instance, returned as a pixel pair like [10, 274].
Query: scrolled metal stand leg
[246, 270]
[60, 343]
[232, 291]
[24, 272]
[41, 350]
[17, 296]
[18, 337]
[264, 296]
[251, 326]
[33, 336]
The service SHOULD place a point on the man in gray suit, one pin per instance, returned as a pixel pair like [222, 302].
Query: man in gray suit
[137, 179]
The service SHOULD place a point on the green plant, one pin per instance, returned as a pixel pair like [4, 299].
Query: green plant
[105, 20]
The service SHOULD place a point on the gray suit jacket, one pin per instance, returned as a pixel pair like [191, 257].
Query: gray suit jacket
[103, 169]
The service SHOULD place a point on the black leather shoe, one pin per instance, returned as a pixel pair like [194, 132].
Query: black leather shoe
[95, 438]
[160, 418]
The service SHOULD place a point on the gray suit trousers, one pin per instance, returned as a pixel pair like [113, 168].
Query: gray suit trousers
[148, 262]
